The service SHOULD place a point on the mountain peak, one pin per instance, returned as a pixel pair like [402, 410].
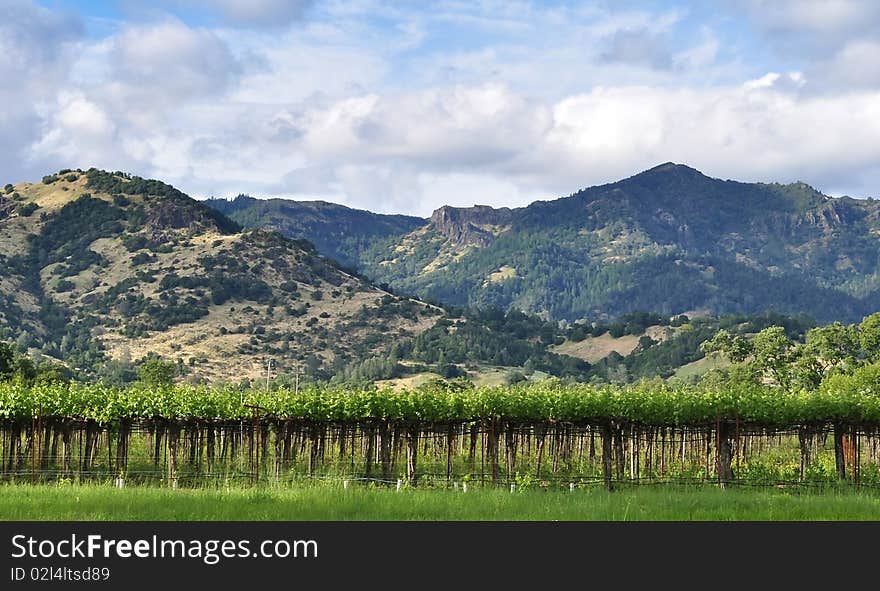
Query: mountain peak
[671, 167]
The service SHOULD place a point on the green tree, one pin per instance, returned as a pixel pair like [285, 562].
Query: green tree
[51, 373]
[23, 341]
[24, 369]
[735, 347]
[833, 346]
[869, 336]
[156, 371]
[6, 360]
[773, 352]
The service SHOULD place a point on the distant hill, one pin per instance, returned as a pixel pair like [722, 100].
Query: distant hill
[670, 240]
[98, 266]
[336, 231]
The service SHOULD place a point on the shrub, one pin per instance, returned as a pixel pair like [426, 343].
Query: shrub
[26, 209]
[64, 285]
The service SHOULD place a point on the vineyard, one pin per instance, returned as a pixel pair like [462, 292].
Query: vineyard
[549, 433]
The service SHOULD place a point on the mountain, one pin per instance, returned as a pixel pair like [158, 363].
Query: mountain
[101, 270]
[669, 239]
[338, 232]
[98, 266]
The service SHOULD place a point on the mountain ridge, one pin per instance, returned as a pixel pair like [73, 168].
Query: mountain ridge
[670, 236]
[336, 230]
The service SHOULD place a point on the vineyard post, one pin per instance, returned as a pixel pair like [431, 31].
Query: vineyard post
[857, 459]
[412, 455]
[606, 456]
[724, 454]
[449, 446]
[33, 448]
[632, 454]
[804, 451]
[173, 437]
[839, 456]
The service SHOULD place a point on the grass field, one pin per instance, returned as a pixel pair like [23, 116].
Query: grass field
[331, 503]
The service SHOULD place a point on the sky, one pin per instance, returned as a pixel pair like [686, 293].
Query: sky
[401, 107]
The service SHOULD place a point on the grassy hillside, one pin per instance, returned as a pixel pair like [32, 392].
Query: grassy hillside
[98, 266]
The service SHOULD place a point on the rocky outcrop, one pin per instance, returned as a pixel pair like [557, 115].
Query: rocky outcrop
[7, 206]
[167, 216]
[470, 226]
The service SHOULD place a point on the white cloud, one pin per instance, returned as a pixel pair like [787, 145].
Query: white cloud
[827, 17]
[37, 47]
[812, 30]
[857, 64]
[395, 118]
[172, 60]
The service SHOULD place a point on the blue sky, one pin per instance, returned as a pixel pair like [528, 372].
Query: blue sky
[405, 106]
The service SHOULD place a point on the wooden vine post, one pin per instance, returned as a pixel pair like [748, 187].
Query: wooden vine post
[607, 430]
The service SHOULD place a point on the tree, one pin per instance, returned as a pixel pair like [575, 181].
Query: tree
[735, 347]
[156, 371]
[451, 370]
[24, 369]
[833, 345]
[6, 357]
[23, 341]
[51, 373]
[773, 351]
[869, 336]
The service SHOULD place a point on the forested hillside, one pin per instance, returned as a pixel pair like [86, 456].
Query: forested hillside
[670, 240]
[338, 232]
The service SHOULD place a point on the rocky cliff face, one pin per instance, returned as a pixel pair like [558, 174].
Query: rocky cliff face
[471, 226]
[165, 217]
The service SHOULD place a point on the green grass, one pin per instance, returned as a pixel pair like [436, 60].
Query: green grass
[331, 502]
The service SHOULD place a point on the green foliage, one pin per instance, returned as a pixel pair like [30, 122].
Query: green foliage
[156, 372]
[339, 232]
[23, 370]
[835, 344]
[869, 336]
[492, 337]
[66, 236]
[6, 360]
[25, 210]
[119, 183]
[668, 240]
[64, 285]
[852, 399]
[772, 356]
